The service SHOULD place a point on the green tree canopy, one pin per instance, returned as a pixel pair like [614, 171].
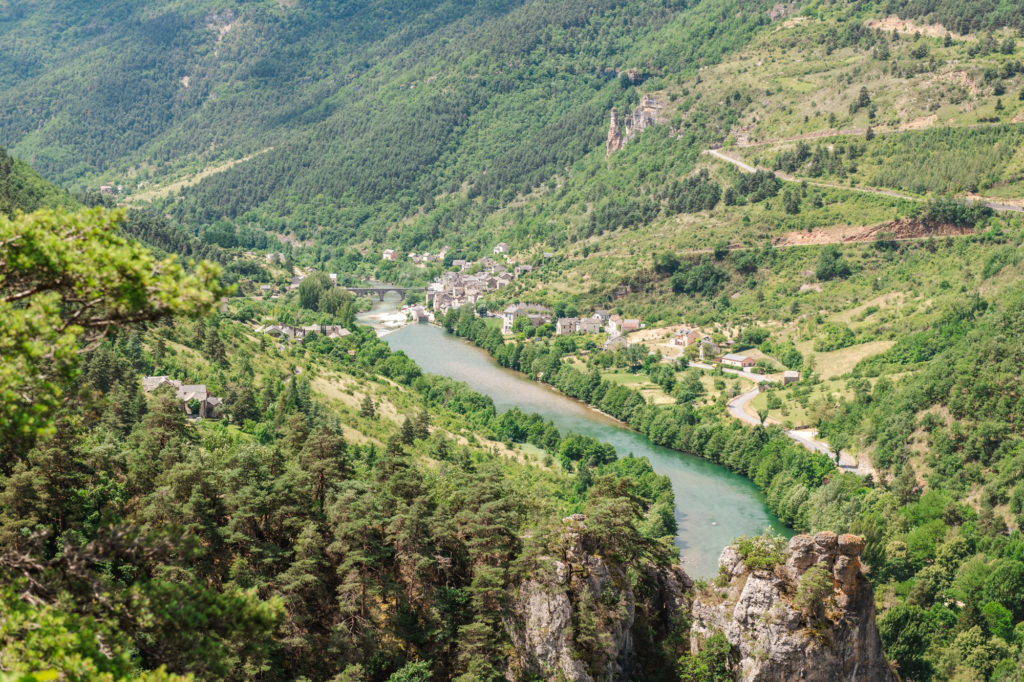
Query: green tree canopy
[65, 280]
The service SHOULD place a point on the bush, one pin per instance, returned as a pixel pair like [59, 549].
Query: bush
[699, 278]
[832, 265]
[946, 211]
[710, 664]
[834, 337]
[815, 586]
[762, 551]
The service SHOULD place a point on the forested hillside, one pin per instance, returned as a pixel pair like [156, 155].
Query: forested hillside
[834, 188]
[340, 515]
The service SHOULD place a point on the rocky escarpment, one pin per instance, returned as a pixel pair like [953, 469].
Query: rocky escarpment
[577, 617]
[642, 117]
[809, 618]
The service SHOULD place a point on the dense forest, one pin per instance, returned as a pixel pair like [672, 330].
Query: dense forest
[298, 538]
[348, 517]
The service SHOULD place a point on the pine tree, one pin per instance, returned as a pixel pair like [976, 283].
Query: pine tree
[323, 457]
[422, 425]
[408, 433]
[244, 406]
[214, 347]
[366, 408]
[198, 334]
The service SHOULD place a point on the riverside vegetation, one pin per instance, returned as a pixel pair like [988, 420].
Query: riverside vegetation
[355, 519]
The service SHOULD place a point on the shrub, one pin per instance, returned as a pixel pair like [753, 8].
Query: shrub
[834, 337]
[710, 664]
[832, 265]
[815, 586]
[764, 551]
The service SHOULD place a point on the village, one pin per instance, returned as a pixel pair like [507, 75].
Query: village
[470, 281]
[467, 282]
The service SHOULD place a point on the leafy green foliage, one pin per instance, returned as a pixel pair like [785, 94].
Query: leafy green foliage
[953, 212]
[831, 264]
[23, 191]
[834, 337]
[814, 588]
[711, 664]
[762, 552]
[64, 281]
[702, 278]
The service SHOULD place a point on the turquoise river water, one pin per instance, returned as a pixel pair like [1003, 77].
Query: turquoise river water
[713, 505]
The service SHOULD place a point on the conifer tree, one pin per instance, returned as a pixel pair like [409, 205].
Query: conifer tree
[422, 424]
[366, 408]
[408, 433]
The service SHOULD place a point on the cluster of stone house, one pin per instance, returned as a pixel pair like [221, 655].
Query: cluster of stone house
[707, 348]
[284, 332]
[209, 407]
[615, 325]
[458, 288]
[423, 259]
[577, 325]
[273, 291]
[536, 314]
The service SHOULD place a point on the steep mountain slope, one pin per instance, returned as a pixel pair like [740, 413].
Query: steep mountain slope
[23, 190]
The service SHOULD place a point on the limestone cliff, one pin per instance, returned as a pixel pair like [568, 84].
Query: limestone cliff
[810, 618]
[614, 143]
[576, 617]
[642, 117]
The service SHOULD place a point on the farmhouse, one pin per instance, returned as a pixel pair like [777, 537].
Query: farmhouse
[537, 315]
[616, 342]
[567, 325]
[686, 337]
[209, 406]
[735, 360]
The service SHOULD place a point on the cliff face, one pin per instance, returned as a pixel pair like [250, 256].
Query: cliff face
[811, 618]
[574, 619]
[614, 143]
[643, 116]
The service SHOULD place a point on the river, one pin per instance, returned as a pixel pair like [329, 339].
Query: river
[713, 505]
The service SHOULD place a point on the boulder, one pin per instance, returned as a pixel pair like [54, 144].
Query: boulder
[851, 545]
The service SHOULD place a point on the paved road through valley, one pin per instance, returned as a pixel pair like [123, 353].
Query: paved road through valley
[737, 409]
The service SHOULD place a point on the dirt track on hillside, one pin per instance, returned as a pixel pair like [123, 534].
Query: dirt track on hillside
[898, 230]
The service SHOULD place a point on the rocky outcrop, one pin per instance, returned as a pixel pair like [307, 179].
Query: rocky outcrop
[574, 618]
[642, 117]
[810, 618]
[614, 143]
[781, 10]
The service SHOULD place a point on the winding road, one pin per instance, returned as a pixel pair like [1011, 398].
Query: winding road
[747, 168]
[847, 462]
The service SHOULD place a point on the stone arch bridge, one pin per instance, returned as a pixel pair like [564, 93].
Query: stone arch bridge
[380, 291]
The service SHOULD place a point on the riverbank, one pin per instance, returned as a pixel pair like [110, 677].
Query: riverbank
[713, 506]
[384, 317]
